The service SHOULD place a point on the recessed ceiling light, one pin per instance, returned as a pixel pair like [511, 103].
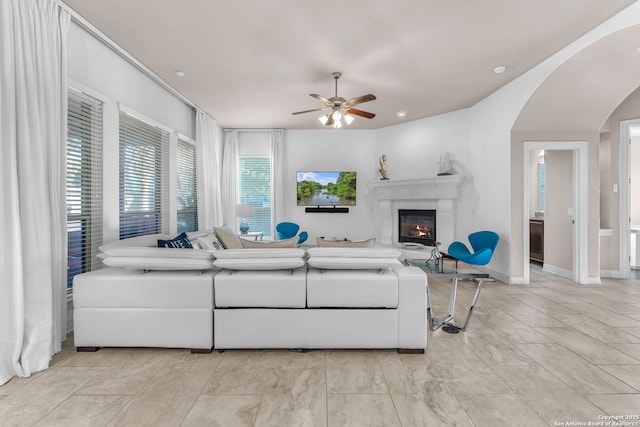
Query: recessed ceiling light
[401, 113]
[180, 73]
[499, 70]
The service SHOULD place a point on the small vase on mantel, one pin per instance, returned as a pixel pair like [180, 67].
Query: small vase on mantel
[444, 164]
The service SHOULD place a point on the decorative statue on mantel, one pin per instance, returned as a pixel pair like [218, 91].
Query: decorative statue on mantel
[444, 164]
[382, 170]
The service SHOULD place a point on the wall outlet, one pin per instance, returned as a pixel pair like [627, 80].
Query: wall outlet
[615, 188]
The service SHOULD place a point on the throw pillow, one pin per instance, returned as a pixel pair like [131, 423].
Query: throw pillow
[346, 243]
[180, 241]
[210, 241]
[287, 243]
[227, 237]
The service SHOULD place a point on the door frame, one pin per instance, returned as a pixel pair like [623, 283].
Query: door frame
[580, 186]
[625, 196]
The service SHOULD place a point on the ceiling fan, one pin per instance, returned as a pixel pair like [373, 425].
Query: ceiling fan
[338, 108]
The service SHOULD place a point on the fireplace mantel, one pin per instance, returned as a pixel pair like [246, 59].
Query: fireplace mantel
[437, 193]
[440, 187]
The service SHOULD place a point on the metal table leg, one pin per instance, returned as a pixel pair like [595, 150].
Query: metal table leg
[435, 322]
[447, 323]
[451, 327]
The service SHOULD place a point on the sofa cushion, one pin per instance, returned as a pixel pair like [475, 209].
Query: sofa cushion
[154, 263]
[115, 288]
[150, 252]
[330, 263]
[286, 243]
[334, 258]
[259, 253]
[352, 288]
[259, 263]
[275, 289]
[335, 252]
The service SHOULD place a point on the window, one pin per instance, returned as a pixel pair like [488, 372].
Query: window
[254, 188]
[187, 203]
[84, 183]
[540, 182]
[144, 177]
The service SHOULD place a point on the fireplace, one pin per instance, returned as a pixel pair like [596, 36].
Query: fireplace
[417, 226]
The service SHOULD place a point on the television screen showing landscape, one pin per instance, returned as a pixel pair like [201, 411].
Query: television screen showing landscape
[326, 188]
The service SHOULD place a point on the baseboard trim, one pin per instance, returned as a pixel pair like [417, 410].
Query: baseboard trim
[567, 274]
[612, 274]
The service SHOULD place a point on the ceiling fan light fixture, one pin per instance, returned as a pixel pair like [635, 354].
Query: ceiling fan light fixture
[337, 124]
[348, 118]
[324, 119]
[337, 115]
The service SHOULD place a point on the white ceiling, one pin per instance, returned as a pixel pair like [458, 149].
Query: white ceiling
[250, 64]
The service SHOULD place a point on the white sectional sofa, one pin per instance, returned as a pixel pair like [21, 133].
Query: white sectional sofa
[255, 298]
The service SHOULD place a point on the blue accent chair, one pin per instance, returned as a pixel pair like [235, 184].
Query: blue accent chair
[483, 243]
[287, 230]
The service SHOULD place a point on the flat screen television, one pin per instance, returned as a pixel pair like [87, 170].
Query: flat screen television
[326, 188]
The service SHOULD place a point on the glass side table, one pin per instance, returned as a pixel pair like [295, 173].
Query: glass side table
[450, 268]
[255, 235]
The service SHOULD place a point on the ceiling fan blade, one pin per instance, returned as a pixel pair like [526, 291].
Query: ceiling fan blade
[321, 98]
[361, 113]
[309, 111]
[359, 100]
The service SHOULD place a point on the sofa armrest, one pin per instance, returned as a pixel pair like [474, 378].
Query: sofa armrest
[412, 306]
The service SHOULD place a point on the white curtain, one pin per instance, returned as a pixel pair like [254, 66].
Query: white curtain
[277, 177]
[230, 178]
[209, 167]
[33, 259]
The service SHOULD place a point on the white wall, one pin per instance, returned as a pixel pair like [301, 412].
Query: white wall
[331, 150]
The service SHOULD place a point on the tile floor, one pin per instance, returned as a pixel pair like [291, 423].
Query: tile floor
[548, 354]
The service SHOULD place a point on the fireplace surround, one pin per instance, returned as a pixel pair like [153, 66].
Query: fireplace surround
[438, 193]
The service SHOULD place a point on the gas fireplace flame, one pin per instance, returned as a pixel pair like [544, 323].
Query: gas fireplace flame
[420, 231]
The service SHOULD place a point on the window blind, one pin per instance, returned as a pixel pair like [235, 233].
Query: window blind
[144, 177]
[254, 188]
[187, 203]
[84, 183]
